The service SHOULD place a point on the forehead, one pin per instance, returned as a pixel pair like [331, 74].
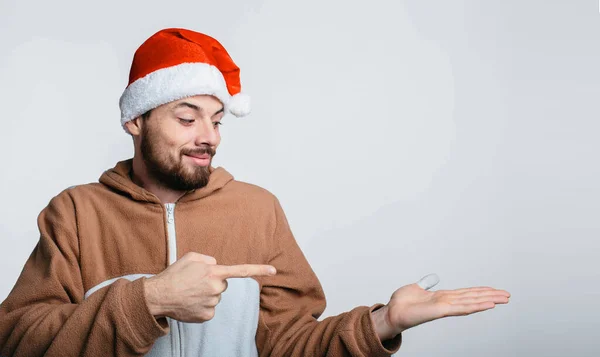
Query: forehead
[200, 103]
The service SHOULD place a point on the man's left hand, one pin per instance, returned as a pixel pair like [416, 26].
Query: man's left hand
[412, 305]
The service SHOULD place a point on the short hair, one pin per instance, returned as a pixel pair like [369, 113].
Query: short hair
[146, 115]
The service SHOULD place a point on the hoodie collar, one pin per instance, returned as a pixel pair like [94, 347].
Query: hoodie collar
[119, 178]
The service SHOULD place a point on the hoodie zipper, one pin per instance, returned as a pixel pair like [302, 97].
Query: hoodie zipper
[171, 231]
[172, 242]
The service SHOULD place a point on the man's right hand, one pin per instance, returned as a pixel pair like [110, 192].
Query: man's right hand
[190, 289]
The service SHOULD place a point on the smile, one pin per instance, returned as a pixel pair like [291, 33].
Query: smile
[201, 160]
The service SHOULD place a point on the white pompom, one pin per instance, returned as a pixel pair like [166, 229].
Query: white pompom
[239, 105]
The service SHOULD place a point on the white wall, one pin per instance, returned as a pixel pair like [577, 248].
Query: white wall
[457, 137]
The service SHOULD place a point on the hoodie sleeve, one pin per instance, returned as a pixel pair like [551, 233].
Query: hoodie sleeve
[292, 301]
[46, 314]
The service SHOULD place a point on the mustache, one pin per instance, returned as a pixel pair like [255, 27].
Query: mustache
[200, 151]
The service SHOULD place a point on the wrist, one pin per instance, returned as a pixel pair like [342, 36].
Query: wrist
[382, 324]
[153, 299]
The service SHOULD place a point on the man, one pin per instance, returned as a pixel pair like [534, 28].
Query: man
[169, 256]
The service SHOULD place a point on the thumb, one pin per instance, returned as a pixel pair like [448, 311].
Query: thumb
[429, 281]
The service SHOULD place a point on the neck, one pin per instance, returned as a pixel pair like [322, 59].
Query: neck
[140, 176]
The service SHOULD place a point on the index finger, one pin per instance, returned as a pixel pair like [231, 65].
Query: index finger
[244, 270]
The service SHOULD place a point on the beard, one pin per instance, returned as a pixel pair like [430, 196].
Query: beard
[171, 172]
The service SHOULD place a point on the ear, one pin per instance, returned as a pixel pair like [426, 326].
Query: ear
[134, 126]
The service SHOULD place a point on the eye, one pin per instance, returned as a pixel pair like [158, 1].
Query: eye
[217, 124]
[186, 121]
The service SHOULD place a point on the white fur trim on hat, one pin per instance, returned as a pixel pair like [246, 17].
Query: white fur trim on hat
[173, 83]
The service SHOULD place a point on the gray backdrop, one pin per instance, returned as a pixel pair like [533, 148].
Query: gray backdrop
[402, 138]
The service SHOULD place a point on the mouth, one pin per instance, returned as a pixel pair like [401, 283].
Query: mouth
[199, 159]
[200, 156]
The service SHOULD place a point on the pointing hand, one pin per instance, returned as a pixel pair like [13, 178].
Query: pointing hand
[191, 288]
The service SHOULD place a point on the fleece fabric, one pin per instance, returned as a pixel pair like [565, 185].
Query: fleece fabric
[76, 295]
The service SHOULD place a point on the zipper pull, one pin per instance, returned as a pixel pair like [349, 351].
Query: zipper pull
[170, 212]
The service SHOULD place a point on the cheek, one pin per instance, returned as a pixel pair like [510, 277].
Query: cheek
[180, 139]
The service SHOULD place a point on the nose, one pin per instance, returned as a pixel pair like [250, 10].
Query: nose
[207, 134]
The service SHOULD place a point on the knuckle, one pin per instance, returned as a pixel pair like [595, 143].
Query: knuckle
[215, 287]
[200, 268]
[208, 259]
[210, 270]
[186, 256]
[208, 314]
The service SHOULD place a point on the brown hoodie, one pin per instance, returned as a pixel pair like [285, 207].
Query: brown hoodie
[81, 291]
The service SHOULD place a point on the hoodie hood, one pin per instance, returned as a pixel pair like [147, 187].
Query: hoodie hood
[118, 178]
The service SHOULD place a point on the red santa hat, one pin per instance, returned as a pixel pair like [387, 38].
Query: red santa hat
[178, 63]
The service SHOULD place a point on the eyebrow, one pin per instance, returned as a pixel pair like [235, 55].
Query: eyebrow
[196, 108]
[189, 105]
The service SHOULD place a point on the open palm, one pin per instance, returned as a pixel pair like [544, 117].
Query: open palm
[413, 304]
